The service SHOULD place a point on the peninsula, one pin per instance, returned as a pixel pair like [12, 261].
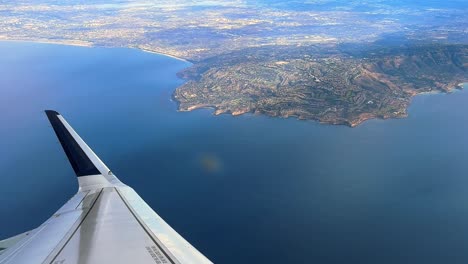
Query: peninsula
[327, 84]
[337, 62]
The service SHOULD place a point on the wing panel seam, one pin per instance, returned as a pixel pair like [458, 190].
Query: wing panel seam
[76, 229]
[81, 202]
[169, 256]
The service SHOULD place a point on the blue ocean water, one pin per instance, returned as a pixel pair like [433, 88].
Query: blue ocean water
[248, 189]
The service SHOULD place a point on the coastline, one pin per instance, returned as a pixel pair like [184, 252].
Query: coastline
[349, 123]
[47, 41]
[160, 53]
[87, 44]
[216, 111]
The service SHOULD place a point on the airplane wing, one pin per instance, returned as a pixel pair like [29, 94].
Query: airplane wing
[105, 222]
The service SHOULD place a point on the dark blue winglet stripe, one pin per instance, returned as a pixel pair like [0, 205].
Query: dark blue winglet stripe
[80, 162]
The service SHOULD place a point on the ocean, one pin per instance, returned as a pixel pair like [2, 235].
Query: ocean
[246, 189]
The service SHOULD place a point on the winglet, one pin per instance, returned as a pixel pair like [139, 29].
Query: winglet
[89, 169]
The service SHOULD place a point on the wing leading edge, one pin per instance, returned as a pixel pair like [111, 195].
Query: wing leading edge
[105, 222]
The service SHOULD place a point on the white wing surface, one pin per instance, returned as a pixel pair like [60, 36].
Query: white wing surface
[105, 222]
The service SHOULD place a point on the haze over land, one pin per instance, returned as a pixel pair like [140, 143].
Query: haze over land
[339, 62]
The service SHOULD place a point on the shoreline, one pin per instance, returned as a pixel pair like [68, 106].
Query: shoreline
[160, 53]
[85, 44]
[88, 44]
[348, 123]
